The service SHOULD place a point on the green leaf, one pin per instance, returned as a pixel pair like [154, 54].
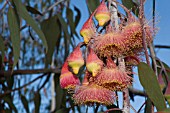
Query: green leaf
[2, 48]
[25, 103]
[130, 4]
[92, 4]
[77, 18]
[69, 13]
[150, 83]
[15, 33]
[33, 10]
[164, 111]
[22, 11]
[63, 110]
[60, 94]
[71, 22]
[37, 101]
[67, 38]
[10, 81]
[64, 25]
[148, 107]
[9, 101]
[51, 29]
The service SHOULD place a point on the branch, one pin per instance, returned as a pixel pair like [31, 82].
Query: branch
[137, 92]
[19, 88]
[112, 109]
[162, 46]
[142, 20]
[22, 72]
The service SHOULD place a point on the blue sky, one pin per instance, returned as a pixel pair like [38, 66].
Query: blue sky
[162, 37]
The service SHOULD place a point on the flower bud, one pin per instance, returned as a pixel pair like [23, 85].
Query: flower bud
[102, 14]
[75, 60]
[93, 63]
[67, 79]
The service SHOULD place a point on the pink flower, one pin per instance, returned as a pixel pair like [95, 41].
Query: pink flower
[92, 94]
[110, 44]
[113, 78]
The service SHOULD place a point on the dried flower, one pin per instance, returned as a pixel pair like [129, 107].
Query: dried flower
[68, 79]
[92, 94]
[75, 60]
[93, 63]
[102, 14]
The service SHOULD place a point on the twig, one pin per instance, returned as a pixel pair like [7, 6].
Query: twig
[19, 88]
[112, 109]
[162, 46]
[141, 107]
[153, 56]
[46, 80]
[142, 19]
[151, 46]
[126, 100]
[87, 109]
[137, 92]
[23, 72]
[133, 109]
[96, 109]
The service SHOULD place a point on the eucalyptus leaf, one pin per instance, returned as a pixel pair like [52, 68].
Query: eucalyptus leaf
[2, 48]
[15, 33]
[77, 18]
[22, 11]
[67, 39]
[131, 5]
[25, 103]
[37, 102]
[9, 101]
[33, 10]
[60, 94]
[51, 30]
[148, 106]
[92, 4]
[150, 83]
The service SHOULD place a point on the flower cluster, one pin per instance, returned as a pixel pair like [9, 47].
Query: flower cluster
[103, 73]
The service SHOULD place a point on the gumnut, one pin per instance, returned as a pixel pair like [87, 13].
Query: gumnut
[67, 79]
[102, 14]
[88, 30]
[93, 63]
[76, 60]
